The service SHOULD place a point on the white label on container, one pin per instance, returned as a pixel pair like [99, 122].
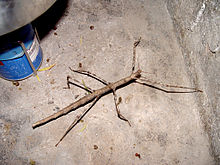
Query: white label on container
[34, 49]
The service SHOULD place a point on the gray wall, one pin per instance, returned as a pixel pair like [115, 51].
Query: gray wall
[197, 25]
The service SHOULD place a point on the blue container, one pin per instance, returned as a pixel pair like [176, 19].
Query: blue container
[14, 64]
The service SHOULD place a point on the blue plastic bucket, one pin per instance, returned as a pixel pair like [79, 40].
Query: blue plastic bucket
[14, 64]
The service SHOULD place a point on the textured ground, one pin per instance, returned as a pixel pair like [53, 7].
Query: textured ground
[165, 128]
[197, 27]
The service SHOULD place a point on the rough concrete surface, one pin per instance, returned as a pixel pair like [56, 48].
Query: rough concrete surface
[165, 128]
[197, 25]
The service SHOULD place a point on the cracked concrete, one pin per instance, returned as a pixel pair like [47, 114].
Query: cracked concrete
[165, 128]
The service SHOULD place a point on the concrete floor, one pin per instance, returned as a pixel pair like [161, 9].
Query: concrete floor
[165, 128]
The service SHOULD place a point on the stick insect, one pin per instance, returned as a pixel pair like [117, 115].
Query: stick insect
[95, 95]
